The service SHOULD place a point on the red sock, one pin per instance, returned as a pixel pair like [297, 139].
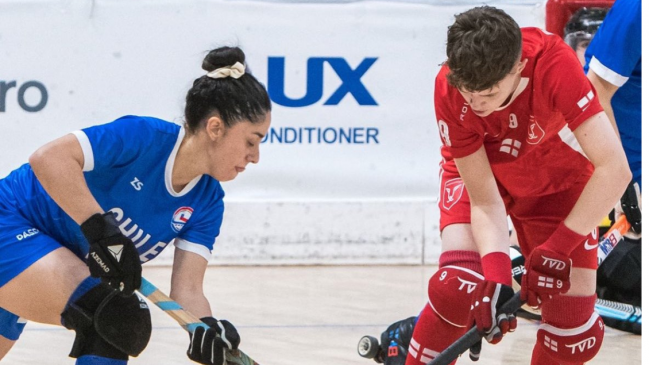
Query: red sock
[432, 335]
[447, 293]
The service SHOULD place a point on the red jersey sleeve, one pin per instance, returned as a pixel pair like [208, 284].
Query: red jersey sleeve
[564, 84]
[459, 136]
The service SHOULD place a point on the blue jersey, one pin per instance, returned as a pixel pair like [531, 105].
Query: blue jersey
[615, 55]
[128, 167]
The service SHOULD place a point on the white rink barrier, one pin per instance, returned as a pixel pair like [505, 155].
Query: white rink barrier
[349, 171]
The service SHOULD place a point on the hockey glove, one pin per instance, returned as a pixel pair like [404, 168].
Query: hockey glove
[491, 323]
[209, 346]
[547, 271]
[112, 256]
[631, 206]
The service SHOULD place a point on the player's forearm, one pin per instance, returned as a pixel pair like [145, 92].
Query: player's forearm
[187, 282]
[194, 301]
[608, 109]
[489, 226]
[62, 177]
[599, 196]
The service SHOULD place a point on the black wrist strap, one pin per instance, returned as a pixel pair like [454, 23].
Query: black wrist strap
[99, 226]
[210, 321]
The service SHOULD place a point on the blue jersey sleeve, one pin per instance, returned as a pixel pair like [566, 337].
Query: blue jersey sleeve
[207, 226]
[117, 143]
[616, 48]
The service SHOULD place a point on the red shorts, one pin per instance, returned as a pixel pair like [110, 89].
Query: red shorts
[534, 218]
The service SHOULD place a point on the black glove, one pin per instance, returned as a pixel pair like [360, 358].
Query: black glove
[630, 205]
[487, 298]
[112, 256]
[207, 348]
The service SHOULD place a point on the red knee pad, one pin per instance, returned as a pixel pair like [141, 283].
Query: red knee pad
[572, 345]
[449, 293]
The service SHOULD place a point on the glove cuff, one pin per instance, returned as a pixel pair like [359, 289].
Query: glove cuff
[100, 226]
[210, 321]
[564, 240]
[497, 267]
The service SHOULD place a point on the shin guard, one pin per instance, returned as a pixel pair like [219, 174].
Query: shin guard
[446, 316]
[572, 333]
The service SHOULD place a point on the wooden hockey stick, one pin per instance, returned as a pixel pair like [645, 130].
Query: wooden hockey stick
[187, 320]
[457, 348]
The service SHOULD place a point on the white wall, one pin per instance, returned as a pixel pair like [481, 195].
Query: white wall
[305, 203]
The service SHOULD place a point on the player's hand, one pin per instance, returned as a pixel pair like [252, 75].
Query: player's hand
[112, 256]
[631, 206]
[547, 273]
[491, 323]
[207, 348]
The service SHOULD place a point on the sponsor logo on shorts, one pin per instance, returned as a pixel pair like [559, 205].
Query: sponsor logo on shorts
[453, 189]
[180, 217]
[28, 233]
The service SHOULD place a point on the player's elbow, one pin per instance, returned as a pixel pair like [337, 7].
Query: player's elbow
[626, 174]
[38, 158]
[620, 172]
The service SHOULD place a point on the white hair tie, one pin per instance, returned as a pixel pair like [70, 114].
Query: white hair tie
[235, 71]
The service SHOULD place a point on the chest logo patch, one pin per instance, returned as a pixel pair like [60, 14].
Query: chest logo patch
[534, 132]
[453, 189]
[180, 217]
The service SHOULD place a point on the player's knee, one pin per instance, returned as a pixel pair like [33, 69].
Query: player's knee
[103, 317]
[450, 288]
[572, 345]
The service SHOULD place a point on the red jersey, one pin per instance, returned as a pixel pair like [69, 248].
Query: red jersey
[529, 142]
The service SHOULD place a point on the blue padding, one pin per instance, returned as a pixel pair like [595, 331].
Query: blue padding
[98, 360]
[147, 288]
[169, 306]
[191, 327]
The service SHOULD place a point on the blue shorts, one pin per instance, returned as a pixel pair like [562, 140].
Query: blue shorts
[21, 245]
[11, 326]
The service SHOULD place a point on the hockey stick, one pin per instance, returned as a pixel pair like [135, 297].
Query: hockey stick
[628, 317]
[611, 238]
[457, 348]
[187, 320]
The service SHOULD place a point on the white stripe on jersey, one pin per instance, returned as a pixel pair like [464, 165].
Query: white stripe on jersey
[569, 138]
[169, 169]
[606, 73]
[193, 247]
[88, 157]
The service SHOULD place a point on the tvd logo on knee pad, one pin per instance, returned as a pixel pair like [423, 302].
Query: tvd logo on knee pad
[573, 345]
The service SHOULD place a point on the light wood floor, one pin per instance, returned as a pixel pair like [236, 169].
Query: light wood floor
[305, 316]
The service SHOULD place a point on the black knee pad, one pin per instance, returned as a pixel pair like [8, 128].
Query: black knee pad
[395, 340]
[108, 324]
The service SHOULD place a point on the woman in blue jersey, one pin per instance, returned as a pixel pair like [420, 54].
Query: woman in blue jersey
[78, 220]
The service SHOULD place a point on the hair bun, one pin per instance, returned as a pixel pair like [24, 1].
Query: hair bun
[223, 57]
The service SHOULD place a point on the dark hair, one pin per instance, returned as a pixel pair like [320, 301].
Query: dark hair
[483, 46]
[233, 100]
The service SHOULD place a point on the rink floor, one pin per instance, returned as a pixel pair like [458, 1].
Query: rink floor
[311, 315]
